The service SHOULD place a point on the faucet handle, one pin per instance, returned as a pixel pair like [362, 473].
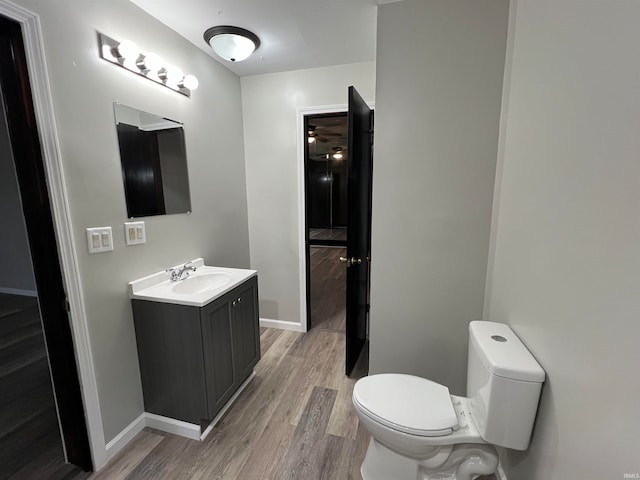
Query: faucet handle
[173, 273]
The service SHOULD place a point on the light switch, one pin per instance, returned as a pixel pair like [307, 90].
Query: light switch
[99, 239]
[134, 233]
[106, 239]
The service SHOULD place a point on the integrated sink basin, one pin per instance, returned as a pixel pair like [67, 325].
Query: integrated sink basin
[200, 283]
[200, 288]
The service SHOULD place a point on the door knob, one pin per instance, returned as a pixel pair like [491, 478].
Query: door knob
[350, 261]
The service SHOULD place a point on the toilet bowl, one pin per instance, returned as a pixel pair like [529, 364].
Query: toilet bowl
[421, 432]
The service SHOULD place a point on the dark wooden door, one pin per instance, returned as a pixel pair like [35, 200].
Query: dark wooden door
[141, 171]
[25, 144]
[359, 173]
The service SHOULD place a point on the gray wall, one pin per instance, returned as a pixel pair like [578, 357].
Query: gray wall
[15, 258]
[84, 88]
[566, 269]
[440, 67]
[270, 104]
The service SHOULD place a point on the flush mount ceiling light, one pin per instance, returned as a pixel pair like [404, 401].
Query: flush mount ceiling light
[232, 43]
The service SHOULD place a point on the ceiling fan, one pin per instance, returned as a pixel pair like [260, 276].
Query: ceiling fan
[320, 133]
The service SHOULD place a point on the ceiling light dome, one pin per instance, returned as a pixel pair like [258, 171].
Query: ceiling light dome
[231, 43]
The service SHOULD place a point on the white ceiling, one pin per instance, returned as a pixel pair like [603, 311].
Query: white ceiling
[294, 34]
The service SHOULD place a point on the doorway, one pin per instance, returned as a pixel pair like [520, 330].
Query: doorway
[337, 149]
[326, 184]
[45, 414]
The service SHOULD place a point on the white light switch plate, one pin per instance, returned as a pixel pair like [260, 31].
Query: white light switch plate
[134, 233]
[99, 239]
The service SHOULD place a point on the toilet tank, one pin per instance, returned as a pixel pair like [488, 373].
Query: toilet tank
[503, 385]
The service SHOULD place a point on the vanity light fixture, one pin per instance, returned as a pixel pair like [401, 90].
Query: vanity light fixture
[234, 44]
[149, 65]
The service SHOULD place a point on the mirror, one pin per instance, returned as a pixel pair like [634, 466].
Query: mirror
[154, 163]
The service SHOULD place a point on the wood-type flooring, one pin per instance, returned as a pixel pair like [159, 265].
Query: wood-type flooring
[328, 288]
[339, 234]
[294, 421]
[30, 441]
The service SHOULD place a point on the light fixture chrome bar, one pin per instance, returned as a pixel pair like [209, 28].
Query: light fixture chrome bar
[149, 65]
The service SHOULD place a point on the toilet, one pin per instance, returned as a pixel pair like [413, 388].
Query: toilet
[421, 432]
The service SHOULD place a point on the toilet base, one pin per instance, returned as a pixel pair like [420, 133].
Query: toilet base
[464, 461]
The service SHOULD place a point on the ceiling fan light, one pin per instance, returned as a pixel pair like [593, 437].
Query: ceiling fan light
[234, 44]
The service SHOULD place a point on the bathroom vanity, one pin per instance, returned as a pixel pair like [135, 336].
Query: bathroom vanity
[198, 340]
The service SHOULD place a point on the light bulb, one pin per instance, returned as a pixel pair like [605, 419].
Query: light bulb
[128, 50]
[173, 74]
[190, 82]
[337, 156]
[152, 62]
[311, 139]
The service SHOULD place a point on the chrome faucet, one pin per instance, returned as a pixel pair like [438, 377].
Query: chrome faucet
[180, 273]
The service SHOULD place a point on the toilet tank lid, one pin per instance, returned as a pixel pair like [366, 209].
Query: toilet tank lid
[502, 353]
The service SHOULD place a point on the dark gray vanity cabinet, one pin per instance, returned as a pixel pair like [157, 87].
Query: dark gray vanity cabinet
[193, 359]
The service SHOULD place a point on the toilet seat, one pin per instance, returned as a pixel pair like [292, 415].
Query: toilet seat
[406, 403]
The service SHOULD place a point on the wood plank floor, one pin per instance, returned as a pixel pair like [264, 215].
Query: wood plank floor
[293, 421]
[30, 442]
[328, 283]
[339, 234]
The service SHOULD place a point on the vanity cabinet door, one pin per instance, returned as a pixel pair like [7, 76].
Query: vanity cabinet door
[245, 328]
[217, 343]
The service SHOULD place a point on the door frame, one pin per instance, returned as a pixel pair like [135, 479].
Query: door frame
[302, 112]
[61, 215]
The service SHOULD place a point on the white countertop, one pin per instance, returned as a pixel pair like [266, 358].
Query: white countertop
[158, 287]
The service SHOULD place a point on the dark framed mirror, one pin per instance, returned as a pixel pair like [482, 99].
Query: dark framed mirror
[154, 163]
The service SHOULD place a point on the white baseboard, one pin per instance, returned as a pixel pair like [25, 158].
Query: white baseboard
[18, 291]
[125, 436]
[500, 473]
[281, 324]
[169, 425]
